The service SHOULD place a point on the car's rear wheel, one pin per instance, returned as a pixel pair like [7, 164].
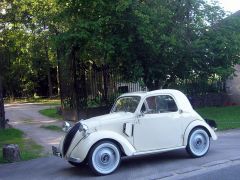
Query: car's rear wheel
[198, 143]
[104, 158]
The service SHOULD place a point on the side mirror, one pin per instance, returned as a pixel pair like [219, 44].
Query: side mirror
[141, 114]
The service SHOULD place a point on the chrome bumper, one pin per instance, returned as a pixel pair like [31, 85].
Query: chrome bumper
[56, 152]
[76, 160]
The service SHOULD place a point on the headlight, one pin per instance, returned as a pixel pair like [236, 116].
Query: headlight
[84, 129]
[66, 126]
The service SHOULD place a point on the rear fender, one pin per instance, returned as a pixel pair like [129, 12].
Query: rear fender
[198, 123]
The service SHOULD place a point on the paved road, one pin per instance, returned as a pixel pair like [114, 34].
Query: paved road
[229, 171]
[27, 118]
[172, 165]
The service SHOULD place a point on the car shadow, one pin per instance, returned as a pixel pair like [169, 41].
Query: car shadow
[155, 158]
[71, 171]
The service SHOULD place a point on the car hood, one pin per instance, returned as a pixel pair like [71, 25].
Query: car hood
[107, 119]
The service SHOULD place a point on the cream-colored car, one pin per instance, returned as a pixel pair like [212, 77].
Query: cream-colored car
[139, 123]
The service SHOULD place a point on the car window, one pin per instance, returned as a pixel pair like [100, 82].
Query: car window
[159, 104]
[165, 103]
[126, 104]
[149, 106]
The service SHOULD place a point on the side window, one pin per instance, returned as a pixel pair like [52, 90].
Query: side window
[165, 103]
[159, 104]
[151, 107]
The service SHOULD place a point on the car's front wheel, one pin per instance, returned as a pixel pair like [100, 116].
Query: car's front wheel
[198, 143]
[104, 157]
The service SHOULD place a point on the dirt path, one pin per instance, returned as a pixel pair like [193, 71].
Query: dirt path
[27, 118]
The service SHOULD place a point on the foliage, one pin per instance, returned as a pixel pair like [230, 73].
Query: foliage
[158, 42]
[225, 117]
[96, 102]
[28, 148]
[26, 58]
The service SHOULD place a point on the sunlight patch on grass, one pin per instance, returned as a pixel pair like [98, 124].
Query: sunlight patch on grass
[44, 101]
[50, 112]
[52, 127]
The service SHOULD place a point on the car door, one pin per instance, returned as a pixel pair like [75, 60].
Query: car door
[160, 125]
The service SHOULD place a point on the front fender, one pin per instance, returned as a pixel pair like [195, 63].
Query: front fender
[198, 123]
[83, 147]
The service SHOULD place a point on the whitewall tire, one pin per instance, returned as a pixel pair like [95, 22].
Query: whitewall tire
[104, 158]
[198, 143]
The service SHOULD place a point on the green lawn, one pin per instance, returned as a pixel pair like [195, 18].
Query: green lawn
[28, 148]
[52, 127]
[226, 117]
[51, 112]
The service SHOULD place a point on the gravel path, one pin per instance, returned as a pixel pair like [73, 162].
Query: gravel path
[27, 118]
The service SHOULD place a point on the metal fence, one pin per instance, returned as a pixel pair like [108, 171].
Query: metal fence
[93, 85]
[103, 85]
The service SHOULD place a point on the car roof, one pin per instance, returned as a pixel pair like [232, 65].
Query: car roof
[180, 98]
[146, 93]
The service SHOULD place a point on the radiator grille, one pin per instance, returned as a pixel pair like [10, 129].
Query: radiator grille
[69, 137]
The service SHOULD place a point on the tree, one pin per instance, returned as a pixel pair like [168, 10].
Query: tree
[165, 43]
[158, 42]
[2, 112]
[27, 47]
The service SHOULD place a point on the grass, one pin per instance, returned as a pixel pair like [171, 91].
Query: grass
[225, 117]
[52, 127]
[50, 112]
[28, 148]
[44, 101]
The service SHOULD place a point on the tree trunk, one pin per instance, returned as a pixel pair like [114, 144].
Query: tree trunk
[105, 83]
[79, 81]
[2, 112]
[50, 93]
[58, 80]
[59, 75]
[50, 88]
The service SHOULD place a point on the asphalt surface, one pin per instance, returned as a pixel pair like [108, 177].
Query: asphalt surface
[226, 171]
[222, 159]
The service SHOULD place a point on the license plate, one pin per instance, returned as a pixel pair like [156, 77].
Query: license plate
[55, 151]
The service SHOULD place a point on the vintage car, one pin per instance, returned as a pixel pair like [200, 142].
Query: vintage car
[139, 123]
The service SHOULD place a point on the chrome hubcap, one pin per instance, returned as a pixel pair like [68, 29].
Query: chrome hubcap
[199, 142]
[106, 158]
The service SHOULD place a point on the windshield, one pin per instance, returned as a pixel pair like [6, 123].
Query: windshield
[126, 104]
